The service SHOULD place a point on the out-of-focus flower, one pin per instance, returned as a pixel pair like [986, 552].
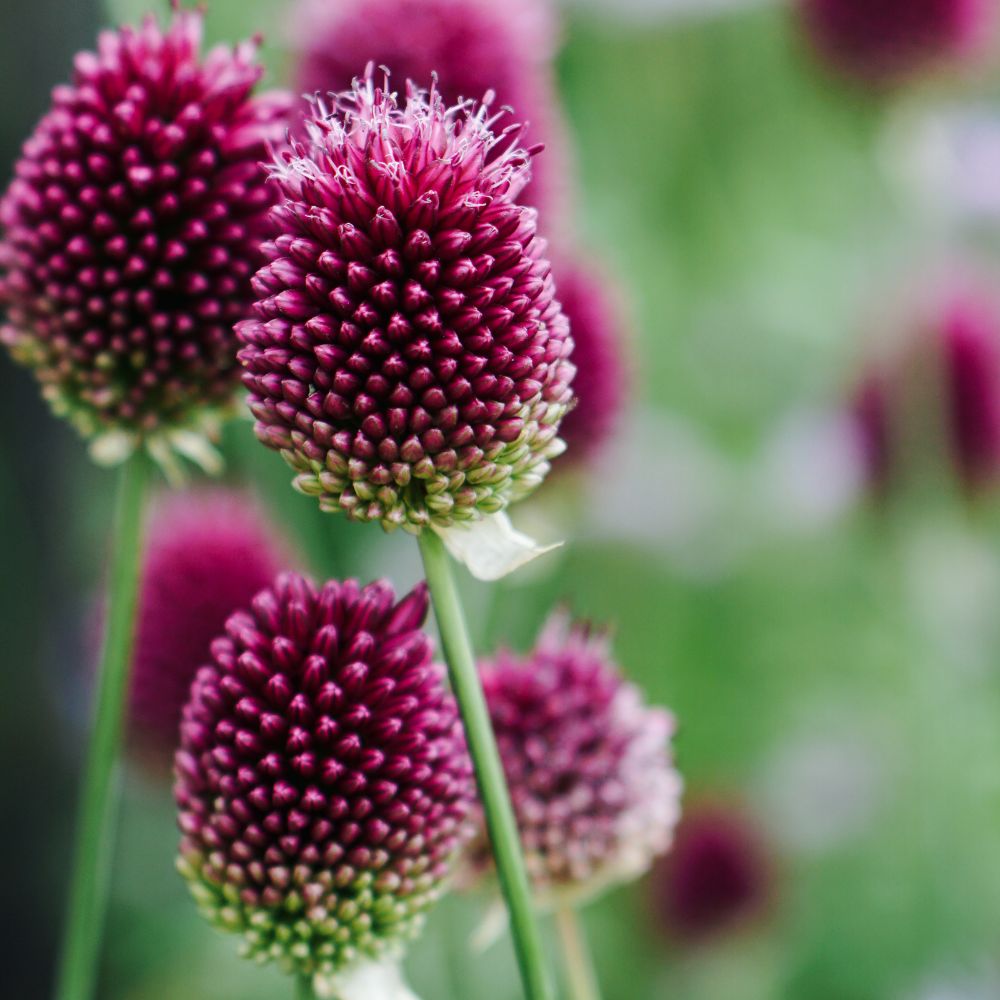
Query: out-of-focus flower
[936, 394]
[408, 357]
[589, 765]
[322, 779]
[599, 356]
[208, 553]
[472, 47]
[130, 232]
[886, 42]
[717, 876]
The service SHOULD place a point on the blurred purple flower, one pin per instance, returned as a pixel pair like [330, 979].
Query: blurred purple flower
[947, 370]
[208, 553]
[408, 357]
[717, 876]
[473, 46]
[599, 355]
[131, 229]
[322, 780]
[886, 42]
[589, 764]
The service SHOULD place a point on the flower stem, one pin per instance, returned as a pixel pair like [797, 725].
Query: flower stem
[579, 965]
[489, 770]
[304, 988]
[98, 806]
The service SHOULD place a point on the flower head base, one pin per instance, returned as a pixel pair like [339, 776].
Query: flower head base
[936, 396]
[130, 232]
[717, 876]
[322, 779]
[588, 764]
[208, 553]
[471, 47]
[408, 357]
[886, 42]
[598, 356]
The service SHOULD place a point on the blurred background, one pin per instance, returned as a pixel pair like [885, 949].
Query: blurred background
[776, 221]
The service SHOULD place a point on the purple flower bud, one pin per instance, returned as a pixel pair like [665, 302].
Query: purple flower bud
[886, 42]
[472, 46]
[407, 357]
[589, 765]
[599, 355]
[207, 554]
[322, 779]
[131, 229]
[936, 394]
[717, 876]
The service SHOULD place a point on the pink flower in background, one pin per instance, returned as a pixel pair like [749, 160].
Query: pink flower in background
[322, 780]
[717, 876]
[592, 306]
[407, 355]
[471, 46]
[132, 226]
[886, 42]
[938, 388]
[208, 553]
[589, 764]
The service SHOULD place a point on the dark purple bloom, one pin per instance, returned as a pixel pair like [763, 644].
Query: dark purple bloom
[472, 46]
[322, 779]
[599, 356]
[588, 763]
[946, 375]
[717, 876]
[131, 229]
[888, 41]
[408, 357]
[208, 553]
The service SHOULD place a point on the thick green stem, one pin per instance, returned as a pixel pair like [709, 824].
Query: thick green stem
[489, 771]
[98, 809]
[579, 965]
[304, 988]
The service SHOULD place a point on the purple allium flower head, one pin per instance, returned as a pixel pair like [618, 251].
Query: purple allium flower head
[132, 227]
[885, 42]
[599, 357]
[322, 779]
[948, 371]
[717, 875]
[471, 46]
[589, 765]
[408, 356]
[208, 553]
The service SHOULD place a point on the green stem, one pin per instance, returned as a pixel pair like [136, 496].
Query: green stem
[579, 965]
[489, 771]
[98, 806]
[304, 988]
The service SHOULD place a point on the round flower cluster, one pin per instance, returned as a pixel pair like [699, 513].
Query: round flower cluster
[886, 42]
[589, 765]
[471, 47]
[131, 229]
[322, 778]
[408, 357]
[208, 553]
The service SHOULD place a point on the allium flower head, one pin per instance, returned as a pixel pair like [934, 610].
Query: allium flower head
[131, 229]
[322, 778]
[408, 357]
[946, 374]
[471, 46]
[599, 357]
[588, 764]
[208, 553]
[717, 875]
[888, 41]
